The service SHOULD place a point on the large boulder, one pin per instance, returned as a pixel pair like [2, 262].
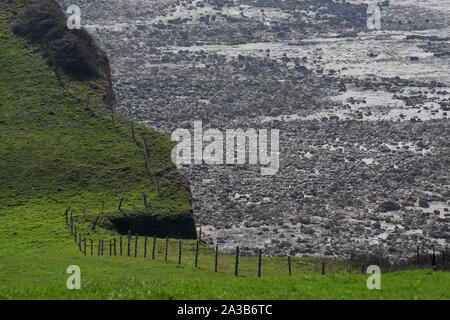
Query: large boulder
[389, 206]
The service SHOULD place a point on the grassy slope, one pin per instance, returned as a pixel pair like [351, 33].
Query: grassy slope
[52, 149]
[53, 155]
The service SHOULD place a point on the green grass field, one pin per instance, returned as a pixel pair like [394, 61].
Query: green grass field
[54, 154]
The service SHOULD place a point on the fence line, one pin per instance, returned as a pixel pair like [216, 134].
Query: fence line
[438, 259]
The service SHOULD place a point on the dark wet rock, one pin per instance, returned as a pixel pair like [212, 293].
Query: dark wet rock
[389, 206]
[423, 203]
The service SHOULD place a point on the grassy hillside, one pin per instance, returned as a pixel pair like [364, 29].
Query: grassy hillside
[61, 143]
[58, 151]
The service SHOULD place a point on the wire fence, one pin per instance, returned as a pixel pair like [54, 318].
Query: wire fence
[198, 254]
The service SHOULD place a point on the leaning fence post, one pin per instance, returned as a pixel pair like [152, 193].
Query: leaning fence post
[236, 266]
[154, 247]
[129, 239]
[289, 264]
[66, 215]
[145, 200]
[145, 246]
[259, 263]
[79, 242]
[196, 255]
[323, 268]
[120, 204]
[216, 260]
[135, 246]
[179, 252]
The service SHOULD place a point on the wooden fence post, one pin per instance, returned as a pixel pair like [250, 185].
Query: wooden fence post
[120, 244]
[135, 246]
[66, 215]
[145, 247]
[75, 233]
[418, 256]
[79, 242]
[95, 223]
[179, 252]
[167, 248]
[129, 239]
[145, 200]
[196, 254]
[84, 245]
[102, 247]
[132, 131]
[154, 247]
[92, 247]
[444, 260]
[323, 268]
[289, 264]
[115, 247]
[99, 243]
[120, 204]
[110, 247]
[236, 266]
[433, 260]
[259, 262]
[216, 259]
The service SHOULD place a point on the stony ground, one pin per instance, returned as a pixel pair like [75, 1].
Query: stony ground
[364, 129]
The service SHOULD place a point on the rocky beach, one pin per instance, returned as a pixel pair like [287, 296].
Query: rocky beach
[362, 114]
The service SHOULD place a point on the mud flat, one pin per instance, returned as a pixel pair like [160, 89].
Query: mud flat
[363, 115]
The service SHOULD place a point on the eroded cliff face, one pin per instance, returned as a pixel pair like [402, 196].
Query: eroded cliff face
[110, 96]
[73, 54]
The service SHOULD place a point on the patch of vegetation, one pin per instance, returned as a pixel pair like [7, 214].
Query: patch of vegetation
[70, 52]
